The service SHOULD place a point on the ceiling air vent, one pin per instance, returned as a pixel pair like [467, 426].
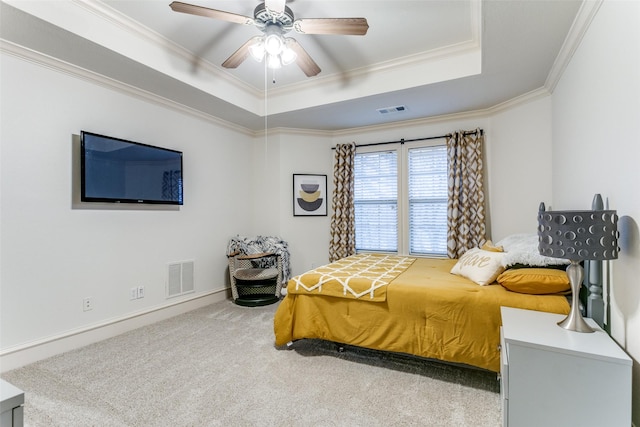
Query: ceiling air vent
[391, 110]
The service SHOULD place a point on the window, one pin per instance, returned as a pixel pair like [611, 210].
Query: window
[400, 200]
[376, 201]
[427, 191]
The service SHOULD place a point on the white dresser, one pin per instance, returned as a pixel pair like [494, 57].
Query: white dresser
[554, 377]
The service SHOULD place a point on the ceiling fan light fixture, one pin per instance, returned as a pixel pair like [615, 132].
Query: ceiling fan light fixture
[273, 61]
[257, 50]
[273, 44]
[288, 55]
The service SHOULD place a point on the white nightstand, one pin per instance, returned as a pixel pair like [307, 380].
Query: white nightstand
[11, 405]
[554, 377]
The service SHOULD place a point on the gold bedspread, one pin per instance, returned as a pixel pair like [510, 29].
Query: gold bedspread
[428, 312]
[362, 275]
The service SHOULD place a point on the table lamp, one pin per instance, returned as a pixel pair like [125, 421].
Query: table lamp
[578, 236]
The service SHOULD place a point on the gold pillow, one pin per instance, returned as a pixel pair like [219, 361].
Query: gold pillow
[489, 246]
[536, 281]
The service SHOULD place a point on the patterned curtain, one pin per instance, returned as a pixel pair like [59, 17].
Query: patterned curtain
[465, 210]
[343, 231]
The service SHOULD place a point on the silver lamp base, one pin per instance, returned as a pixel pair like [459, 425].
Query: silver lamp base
[574, 321]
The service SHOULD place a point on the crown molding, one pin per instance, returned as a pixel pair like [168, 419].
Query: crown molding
[55, 64]
[134, 28]
[292, 131]
[477, 114]
[64, 67]
[586, 13]
[525, 98]
[397, 64]
[465, 115]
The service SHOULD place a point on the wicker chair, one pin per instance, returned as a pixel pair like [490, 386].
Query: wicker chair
[256, 279]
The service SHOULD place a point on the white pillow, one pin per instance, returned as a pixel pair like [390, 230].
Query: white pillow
[523, 249]
[479, 265]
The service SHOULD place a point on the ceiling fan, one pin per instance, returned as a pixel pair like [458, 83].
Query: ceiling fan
[275, 19]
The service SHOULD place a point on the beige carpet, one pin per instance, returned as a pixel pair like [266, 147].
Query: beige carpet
[217, 366]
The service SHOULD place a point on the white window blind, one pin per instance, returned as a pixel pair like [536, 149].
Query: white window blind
[376, 201]
[407, 215]
[428, 176]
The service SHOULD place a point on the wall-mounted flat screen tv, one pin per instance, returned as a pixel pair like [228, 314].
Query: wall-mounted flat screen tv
[120, 171]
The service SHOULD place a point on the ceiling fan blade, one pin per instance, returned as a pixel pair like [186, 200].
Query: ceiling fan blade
[239, 55]
[345, 26]
[304, 61]
[275, 6]
[192, 9]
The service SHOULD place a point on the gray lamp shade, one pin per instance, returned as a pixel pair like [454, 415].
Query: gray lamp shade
[578, 235]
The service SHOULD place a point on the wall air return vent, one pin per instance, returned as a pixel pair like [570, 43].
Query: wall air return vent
[180, 278]
[392, 110]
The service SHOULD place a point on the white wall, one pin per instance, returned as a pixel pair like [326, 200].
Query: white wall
[596, 149]
[54, 255]
[520, 172]
[278, 157]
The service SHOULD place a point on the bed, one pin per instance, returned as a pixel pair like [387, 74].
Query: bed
[417, 305]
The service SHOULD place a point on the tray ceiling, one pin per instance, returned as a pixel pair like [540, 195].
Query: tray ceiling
[431, 57]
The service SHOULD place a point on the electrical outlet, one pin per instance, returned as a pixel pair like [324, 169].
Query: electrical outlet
[140, 291]
[87, 304]
[133, 293]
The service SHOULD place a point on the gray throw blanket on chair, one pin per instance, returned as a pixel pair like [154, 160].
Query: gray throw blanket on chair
[258, 244]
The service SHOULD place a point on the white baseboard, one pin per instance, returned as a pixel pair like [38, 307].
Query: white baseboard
[22, 355]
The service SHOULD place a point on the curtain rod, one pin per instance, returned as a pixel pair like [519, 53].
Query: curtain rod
[402, 141]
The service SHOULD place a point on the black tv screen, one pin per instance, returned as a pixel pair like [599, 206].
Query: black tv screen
[119, 171]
